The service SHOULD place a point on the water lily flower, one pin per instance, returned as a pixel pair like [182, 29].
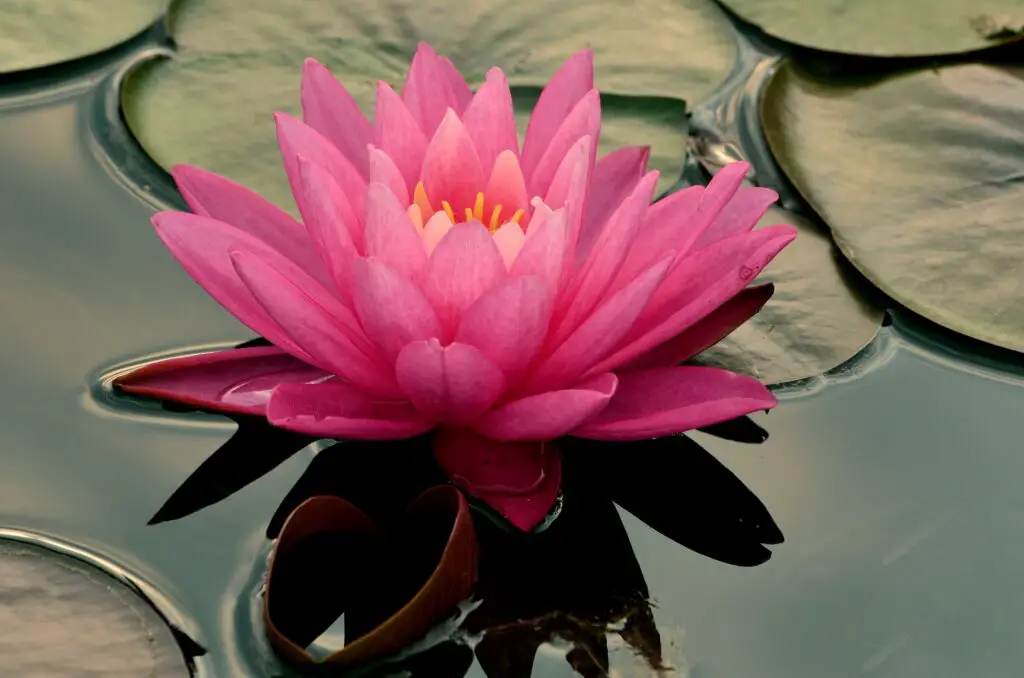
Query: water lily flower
[443, 277]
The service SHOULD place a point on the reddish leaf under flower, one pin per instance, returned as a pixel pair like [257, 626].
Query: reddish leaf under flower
[331, 560]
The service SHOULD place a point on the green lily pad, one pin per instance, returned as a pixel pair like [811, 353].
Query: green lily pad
[42, 32]
[887, 27]
[815, 321]
[238, 61]
[63, 617]
[919, 177]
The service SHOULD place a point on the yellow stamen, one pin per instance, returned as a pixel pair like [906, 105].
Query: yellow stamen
[416, 216]
[495, 215]
[448, 210]
[478, 207]
[469, 215]
[518, 215]
[421, 200]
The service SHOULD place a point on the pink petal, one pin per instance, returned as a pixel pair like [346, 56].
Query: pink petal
[506, 186]
[321, 325]
[336, 410]
[708, 332]
[697, 286]
[490, 120]
[509, 240]
[584, 120]
[431, 88]
[391, 236]
[202, 246]
[392, 309]
[595, 276]
[615, 177]
[463, 94]
[600, 333]
[548, 415]
[434, 230]
[331, 222]
[464, 265]
[296, 138]
[454, 383]
[519, 480]
[670, 400]
[508, 323]
[211, 195]
[573, 80]
[738, 216]
[570, 185]
[665, 227]
[236, 380]
[383, 170]
[451, 166]
[328, 108]
[543, 253]
[397, 134]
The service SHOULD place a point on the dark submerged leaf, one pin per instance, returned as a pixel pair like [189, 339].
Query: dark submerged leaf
[680, 490]
[253, 450]
[739, 430]
[392, 588]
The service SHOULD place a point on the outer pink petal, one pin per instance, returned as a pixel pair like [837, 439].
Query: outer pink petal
[548, 415]
[708, 332]
[519, 480]
[570, 185]
[431, 88]
[391, 236]
[435, 229]
[508, 323]
[739, 215]
[543, 253]
[237, 380]
[328, 108]
[615, 177]
[665, 227]
[392, 309]
[211, 195]
[696, 287]
[463, 94]
[336, 410]
[584, 120]
[573, 80]
[454, 383]
[670, 400]
[296, 138]
[202, 246]
[398, 134]
[464, 265]
[595, 276]
[318, 323]
[451, 166]
[383, 170]
[490, 120]
[600, 333]
[331, 222]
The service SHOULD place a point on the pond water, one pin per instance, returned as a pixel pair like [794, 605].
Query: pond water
[896, 483]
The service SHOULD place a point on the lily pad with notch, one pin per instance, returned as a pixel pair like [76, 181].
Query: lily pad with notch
[939, 154]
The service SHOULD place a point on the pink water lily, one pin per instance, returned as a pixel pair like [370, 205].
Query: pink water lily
[444, 278]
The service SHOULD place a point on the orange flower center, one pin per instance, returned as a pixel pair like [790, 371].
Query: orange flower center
[421, 211]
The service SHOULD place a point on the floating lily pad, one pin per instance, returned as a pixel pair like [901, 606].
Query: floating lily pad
[238, 61]
[42, 32]
[887, 27]
[62, 617]
[815, 320]
[919, 177]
